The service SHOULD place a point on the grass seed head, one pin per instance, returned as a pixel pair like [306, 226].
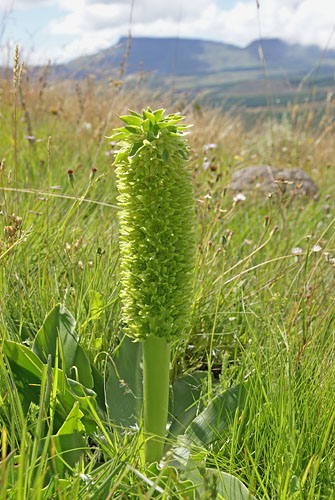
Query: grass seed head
[10, 232]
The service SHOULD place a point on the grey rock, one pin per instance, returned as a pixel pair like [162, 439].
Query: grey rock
[267, 179]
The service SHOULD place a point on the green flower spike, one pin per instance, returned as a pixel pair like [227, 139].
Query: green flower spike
[157, 246]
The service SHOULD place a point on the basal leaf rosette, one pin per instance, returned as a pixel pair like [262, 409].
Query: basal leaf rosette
[156, 224]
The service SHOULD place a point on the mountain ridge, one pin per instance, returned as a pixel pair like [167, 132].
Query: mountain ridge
[184, 57]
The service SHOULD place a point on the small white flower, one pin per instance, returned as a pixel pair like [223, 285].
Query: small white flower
[212, 145]
[297, 251]
[327, 256]
[239, 197]
[316, 248]
[85, 477]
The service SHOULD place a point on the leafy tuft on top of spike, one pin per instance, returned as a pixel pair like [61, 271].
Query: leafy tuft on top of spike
[147, 128]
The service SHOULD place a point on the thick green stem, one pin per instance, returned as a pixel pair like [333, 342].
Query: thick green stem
[156, 368]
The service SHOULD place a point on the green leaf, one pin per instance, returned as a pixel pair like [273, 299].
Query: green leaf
[150, 116]
[159, 113]
[226, 485]
[58, 324]
[146, 125]
[133, 130]
[122, 130]
[83, 368]
[163, 124]
[131, 120]
[99, 389]
[134, 150]
[121, 155]
[165, 155]
[169, 479]
[23, 357]
[26, 368]
[156, 131]
[184, 127]
[117, 136]
[135, 114]
[73, 421]
[70, 392]
[218, 415]
[96, 304]
[209, 425]
[229, 486]
[124, 384]
[68, 449]
[186, 395]
[294, 485]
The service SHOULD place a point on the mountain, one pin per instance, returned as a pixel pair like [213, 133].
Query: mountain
[215, 73]
[184, 57]
[279, 53]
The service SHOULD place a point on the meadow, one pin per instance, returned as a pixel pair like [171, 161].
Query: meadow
[262, 311]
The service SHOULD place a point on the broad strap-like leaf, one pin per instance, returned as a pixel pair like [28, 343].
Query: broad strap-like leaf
[209, 425]
[26, 368]
[73, 421]
[124, 393]
[218, 415]
[68, 449]
[227, 486]
[186, 394]
[96, 305]
[59, 324]
[83, 368]
[23, 357]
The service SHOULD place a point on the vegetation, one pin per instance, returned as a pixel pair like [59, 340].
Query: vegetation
[255, 366]
[157, 251]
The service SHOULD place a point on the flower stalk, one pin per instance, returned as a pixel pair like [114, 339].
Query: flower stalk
[157, 251]
[156, 383]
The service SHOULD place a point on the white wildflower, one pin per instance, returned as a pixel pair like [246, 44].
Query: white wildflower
[297, 251]
[206, 147]
[316, 248]
[239, 197]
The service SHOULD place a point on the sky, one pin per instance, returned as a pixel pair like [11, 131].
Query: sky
[61, 30]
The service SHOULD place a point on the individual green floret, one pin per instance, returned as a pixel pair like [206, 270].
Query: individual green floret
[157, 249]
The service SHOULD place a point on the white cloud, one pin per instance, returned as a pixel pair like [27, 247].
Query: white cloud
[97, 24]
[25, 4]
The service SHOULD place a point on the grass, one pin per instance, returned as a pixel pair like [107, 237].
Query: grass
[258, 312]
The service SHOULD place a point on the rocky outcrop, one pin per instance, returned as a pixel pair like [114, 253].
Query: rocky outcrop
[267, 179]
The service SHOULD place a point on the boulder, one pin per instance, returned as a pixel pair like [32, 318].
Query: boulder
[267, 179]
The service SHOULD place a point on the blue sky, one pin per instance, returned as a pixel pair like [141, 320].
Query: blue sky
[60, 30]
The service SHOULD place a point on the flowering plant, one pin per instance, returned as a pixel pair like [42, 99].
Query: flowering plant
[157, 247]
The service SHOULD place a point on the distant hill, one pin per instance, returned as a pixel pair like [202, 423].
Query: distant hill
[214, 73]
[184, 57]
